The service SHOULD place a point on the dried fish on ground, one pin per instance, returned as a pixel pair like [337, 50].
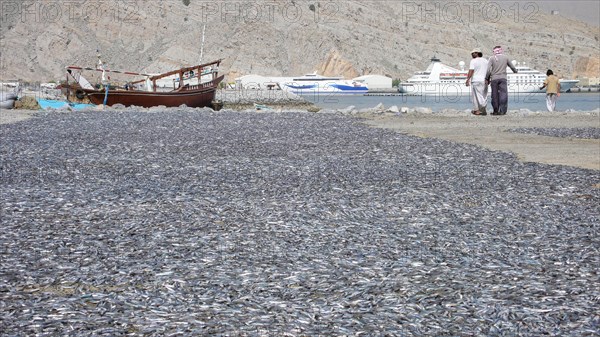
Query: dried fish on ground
[191, 222]
[584, 133]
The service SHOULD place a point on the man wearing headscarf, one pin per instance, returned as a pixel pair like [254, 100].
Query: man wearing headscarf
[476, 79]
[496, 75]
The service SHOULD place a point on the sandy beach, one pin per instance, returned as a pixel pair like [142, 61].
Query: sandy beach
[492, 132]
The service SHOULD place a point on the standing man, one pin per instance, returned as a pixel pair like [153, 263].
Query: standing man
[552, 85]
[476, 79]
[496, 75]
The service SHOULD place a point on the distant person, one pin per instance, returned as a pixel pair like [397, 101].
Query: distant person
[496, 75]
[552, 85]
[476, 79]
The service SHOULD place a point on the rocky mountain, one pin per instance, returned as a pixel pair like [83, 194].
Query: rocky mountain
[285, 37]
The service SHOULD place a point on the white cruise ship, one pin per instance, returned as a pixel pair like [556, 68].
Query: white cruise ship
[312, 84]
[442, 80]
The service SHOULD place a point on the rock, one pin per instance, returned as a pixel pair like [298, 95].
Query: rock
[394, 109]
[27, 103]
[157, 108]
[367, 111]
[263, 97]
[216, 105]
[118, 106]
[380, 107]
[404, 110]
[348, 110]
[313, 108]
[422, 110]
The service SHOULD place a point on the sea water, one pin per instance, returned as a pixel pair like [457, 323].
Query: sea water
[516, 101]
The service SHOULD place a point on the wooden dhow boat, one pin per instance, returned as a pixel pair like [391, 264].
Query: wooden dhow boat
[194, 86]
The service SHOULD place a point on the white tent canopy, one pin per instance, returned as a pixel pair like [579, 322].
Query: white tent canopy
[254, 82]
[375, 81]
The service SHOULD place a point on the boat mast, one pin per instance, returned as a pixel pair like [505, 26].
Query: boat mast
[101, 66]
[105, 83]
[202, 43]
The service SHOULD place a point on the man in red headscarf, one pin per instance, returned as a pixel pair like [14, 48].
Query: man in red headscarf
[496, 75]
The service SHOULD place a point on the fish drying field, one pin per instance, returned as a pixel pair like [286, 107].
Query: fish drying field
[585, 133]
[192, 222]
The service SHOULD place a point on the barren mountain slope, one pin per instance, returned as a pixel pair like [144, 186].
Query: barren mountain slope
[285, 37]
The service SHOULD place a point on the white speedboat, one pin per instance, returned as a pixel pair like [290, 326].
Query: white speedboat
[313, 84]
[442, 80]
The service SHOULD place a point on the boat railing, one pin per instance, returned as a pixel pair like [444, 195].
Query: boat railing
[197, 86]
[203, 85]
[194, 75]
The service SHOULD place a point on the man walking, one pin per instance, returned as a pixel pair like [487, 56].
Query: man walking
[496, 75]
[476, 79]
[552, 85]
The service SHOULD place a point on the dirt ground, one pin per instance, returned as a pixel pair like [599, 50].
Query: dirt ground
[490, 132]
[13, 116]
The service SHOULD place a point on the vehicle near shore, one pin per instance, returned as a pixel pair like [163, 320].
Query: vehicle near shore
[8, 98]
[442, 80]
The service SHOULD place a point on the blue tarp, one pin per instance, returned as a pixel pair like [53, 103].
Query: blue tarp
[54, 104]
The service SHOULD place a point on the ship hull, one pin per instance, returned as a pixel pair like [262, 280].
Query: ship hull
[460, 89]
[442, 80]
[195, 96]
[324, 88]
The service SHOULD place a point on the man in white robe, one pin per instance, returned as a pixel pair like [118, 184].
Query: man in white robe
[476, 81]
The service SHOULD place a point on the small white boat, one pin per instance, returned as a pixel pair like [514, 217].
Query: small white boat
[442, 80]
[313, 84]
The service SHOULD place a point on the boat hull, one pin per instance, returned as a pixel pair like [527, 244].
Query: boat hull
[323, 92]
[196, 96]
[442, 80]
[324, 88]
[460, 89]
